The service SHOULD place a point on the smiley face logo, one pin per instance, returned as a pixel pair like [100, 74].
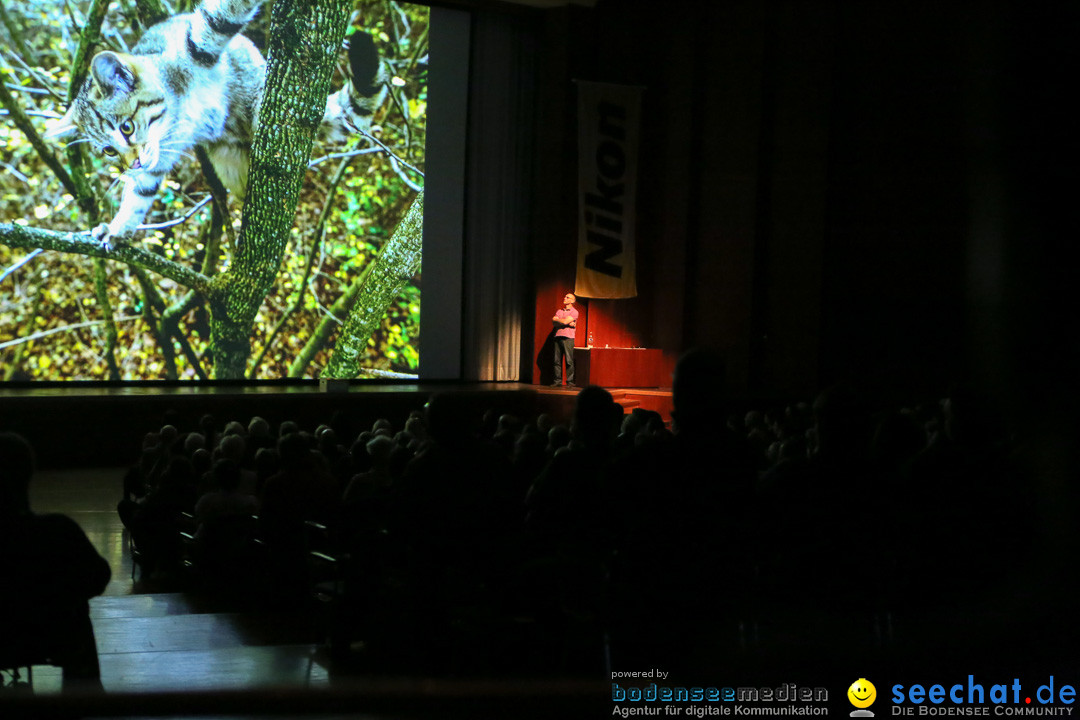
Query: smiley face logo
[862, 693]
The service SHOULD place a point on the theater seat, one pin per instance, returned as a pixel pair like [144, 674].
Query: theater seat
[13, 661]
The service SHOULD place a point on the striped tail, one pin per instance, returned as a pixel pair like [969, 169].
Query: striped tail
[214, 24]
[349, 110]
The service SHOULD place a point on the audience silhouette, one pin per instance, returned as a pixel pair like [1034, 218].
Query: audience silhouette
[487, 541]
[49, 570]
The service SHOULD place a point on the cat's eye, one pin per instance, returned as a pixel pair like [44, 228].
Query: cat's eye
[109, 150]
[127, 127]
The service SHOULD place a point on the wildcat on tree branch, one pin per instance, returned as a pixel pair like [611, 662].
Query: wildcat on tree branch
[194, 80]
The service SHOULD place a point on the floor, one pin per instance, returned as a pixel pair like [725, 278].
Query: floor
[157, 645]
[150, 639]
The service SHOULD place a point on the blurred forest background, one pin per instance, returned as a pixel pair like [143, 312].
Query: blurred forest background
[58, 320]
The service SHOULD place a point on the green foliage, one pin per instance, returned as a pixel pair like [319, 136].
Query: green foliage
[49, 303]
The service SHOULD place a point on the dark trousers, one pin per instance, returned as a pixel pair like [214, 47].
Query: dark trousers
[59, 634]
[564, 347]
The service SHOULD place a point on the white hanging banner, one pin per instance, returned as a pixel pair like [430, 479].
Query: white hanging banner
[609, 117]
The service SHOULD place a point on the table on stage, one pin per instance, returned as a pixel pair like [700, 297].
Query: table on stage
[612, 367]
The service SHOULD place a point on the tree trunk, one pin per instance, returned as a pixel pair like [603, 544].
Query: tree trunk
[305, 37]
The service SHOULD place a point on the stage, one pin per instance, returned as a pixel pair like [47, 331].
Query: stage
[100, 425]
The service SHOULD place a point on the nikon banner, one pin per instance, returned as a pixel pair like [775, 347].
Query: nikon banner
[608, 121]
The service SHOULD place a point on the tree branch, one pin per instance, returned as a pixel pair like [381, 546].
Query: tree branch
[81, 243]
[151, 300]
[76, 154]
[398, 261]
[350, 153]
[189, 351]
[23, 123]
[88, 40]
[329, 322]
[36, 75]
[150, 12]
[219, 218]
[210, 238]
[27, 258]
[180, 220]
[13, 30]
[170, 325]
[65, 328]
[389, 152]
[404, 178]
[35, 113]
[387, 374]
[20, 351]
[182, 306]
[110, 324]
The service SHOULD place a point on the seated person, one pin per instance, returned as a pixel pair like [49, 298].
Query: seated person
[225, 501]
[49, 571]
[154, 519]
[225, 524]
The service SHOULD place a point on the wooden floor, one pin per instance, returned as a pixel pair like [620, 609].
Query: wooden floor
[150, 639]
[167, 653]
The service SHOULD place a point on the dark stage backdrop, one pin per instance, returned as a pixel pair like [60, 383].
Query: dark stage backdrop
[805, 191]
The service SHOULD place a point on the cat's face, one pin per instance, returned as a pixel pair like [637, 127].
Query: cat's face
[122, 112]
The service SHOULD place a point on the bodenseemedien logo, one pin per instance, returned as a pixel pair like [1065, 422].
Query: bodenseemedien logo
[674, 700]
[862, 694]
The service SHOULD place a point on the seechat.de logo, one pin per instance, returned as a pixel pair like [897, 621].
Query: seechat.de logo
[862, 694]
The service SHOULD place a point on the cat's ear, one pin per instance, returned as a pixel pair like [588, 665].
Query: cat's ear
[63, 126]
[112, 73]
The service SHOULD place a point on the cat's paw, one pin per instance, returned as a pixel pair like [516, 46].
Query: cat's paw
[101, 236]
[109, 237]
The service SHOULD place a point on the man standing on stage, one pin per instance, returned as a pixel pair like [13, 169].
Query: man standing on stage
[565, 321]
